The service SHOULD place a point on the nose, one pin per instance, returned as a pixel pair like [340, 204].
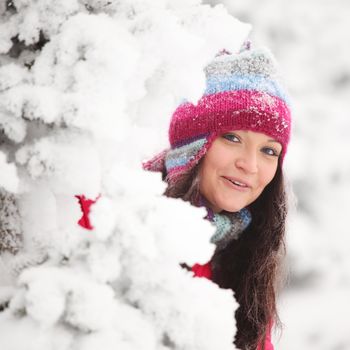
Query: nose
[247, 161]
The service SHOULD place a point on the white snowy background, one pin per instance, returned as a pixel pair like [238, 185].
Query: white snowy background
[311, 42]
[86, 89]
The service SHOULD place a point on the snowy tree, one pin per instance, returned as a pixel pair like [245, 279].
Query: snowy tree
[86, 92]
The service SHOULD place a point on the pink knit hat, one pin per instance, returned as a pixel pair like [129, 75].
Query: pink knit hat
[242, 93]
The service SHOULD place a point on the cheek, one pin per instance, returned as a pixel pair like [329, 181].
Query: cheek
[267, 174]
[207, 176]
[211, 168]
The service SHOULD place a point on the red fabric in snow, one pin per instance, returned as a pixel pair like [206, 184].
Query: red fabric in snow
[85, 205]
[202, 270]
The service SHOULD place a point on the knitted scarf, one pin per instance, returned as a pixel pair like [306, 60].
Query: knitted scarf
[229, 226]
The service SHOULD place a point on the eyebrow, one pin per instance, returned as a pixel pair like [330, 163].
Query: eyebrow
[274, 141]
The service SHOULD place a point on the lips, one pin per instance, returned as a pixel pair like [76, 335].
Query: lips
[238, 182]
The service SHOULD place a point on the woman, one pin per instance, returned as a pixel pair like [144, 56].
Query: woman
[227, 154]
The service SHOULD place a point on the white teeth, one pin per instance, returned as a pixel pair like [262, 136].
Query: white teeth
[239, 183]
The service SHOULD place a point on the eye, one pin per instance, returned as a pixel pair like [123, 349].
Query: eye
[270, 151]
[231, 137]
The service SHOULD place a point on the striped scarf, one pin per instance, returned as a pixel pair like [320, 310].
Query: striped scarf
[229, 226]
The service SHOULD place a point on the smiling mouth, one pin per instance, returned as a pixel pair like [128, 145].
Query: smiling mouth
[236, 182]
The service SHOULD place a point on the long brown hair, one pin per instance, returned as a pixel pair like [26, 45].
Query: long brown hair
[250, 265]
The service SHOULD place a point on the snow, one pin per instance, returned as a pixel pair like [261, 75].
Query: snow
[84, 99]
[322, 322]
[86, 91]
[8, 174]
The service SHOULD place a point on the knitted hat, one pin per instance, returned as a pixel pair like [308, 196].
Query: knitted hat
[242, 93]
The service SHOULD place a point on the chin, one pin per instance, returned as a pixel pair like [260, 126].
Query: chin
[232, 207]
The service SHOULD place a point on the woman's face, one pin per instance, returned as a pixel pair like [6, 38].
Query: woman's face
[237, 168]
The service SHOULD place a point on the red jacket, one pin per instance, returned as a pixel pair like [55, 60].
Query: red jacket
[197, 269]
